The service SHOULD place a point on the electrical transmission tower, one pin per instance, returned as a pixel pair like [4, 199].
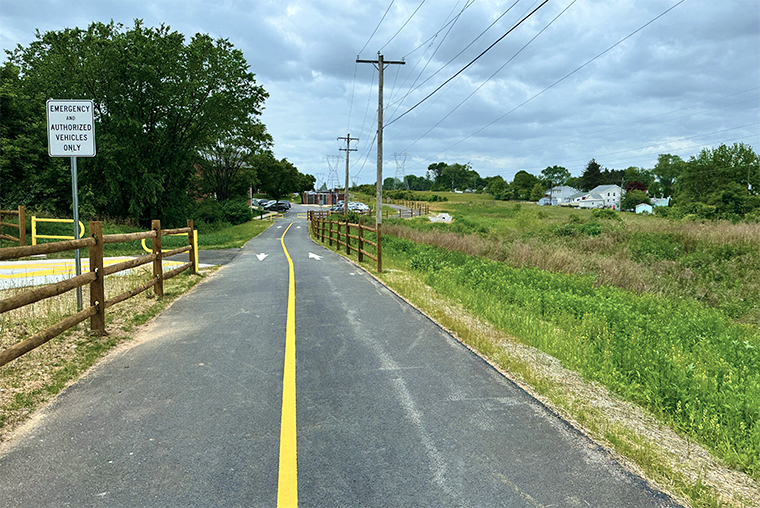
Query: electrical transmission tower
[400, 171]
[333, 180]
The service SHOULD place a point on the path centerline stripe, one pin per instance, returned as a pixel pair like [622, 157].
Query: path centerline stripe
[287, 484]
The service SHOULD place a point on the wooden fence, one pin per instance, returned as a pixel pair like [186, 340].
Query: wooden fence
[415, 209]
[20, 226]
[95, 278]
[327, 230]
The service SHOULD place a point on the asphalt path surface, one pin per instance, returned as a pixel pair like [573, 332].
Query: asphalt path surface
[391, 410]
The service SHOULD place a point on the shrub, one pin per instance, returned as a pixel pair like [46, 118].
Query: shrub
[236, 212]
[603, 213]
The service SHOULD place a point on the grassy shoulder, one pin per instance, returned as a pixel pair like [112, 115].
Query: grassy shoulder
[35, 378]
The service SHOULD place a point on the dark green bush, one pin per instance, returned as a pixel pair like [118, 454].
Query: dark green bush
[236, 212]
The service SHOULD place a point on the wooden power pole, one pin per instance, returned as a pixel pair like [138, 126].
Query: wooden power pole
[348, 150]
[380, 65]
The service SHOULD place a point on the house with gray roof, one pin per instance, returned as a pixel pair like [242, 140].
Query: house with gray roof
[602, 196]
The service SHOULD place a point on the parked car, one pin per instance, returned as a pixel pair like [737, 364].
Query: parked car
[358, 206]
[277, 206]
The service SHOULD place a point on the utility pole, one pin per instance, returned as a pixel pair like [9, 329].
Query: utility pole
[380, 66]
[348, 150]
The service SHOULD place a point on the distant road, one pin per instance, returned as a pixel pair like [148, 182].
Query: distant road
[390, 410]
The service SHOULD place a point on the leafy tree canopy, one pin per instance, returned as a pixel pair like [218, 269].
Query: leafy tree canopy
[718, 169]
[555, 175]
[522, 186]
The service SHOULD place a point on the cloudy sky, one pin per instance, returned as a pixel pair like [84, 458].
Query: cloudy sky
[620, 81]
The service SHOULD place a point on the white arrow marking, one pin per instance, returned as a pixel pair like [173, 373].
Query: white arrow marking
[279, 227]
[261, 256]
[298, 227]
[312, 255]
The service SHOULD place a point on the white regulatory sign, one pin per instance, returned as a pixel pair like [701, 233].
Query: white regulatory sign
[71, 128]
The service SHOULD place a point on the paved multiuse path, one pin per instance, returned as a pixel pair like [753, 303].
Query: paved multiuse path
[353, 398]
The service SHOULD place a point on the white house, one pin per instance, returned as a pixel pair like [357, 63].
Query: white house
[560, 193]
[612, 195]
[602, 196]
[660, 201]
[644, 208]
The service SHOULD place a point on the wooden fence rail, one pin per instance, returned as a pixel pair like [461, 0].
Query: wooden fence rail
[322, 229]
[416, 209]
[95, 278]
[20, 226]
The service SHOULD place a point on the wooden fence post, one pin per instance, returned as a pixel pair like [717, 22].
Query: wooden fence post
[361, 240]
[22, 225]
[348, 238]
[379, 250]
[191, 242]
[158, 270]
[97, 287]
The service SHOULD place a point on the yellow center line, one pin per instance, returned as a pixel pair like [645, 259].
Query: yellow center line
[287, 485]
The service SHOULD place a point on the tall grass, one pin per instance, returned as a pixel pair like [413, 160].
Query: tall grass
[717, 264]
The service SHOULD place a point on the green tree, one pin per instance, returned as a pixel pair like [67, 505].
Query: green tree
[592, 176]
[278, 178]
[638, 178]
[305, 183]
[715, 170]
[522, 186]
[537, 192]
[555, 175]
[158, 100]
[497, 187]
[633, 198]
[435, 170]
[391, 183]
[28, 176]
[226, 168]
[667, 170]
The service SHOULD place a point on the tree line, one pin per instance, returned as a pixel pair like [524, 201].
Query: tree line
[177, 124]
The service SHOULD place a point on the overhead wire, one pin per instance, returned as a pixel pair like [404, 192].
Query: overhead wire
[469, 64]
[458, 54]
[376, 28]
[492, 75]
[561, 79]
[412, 87]
[432, 37]
[404, 25]
[393, 88]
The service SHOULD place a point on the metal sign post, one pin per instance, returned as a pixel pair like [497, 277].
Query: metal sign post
[71, 133]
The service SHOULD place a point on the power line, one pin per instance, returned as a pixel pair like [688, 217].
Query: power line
[432, 37]
[492, 75]
[402, 26]
[458, 54]
[378, 26]
[559, 80]
[471, 62]
[450, 24]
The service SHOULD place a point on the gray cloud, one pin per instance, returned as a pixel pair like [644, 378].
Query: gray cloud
[689, 80]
